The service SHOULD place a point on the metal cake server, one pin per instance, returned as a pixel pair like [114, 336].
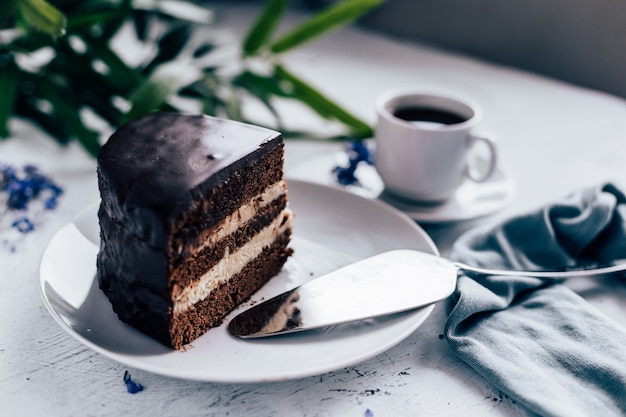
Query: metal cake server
[387, 283]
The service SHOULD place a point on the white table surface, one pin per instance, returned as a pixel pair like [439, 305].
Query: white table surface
[554, 138]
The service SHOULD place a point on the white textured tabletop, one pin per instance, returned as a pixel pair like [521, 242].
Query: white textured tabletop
[553, 137]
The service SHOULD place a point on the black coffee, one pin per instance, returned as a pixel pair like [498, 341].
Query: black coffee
[428, 114]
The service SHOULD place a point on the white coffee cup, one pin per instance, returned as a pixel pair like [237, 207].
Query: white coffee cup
[424, 142]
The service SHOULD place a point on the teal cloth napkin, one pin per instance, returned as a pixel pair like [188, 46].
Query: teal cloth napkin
[537, 341]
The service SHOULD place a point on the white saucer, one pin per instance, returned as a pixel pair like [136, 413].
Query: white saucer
[471, 200]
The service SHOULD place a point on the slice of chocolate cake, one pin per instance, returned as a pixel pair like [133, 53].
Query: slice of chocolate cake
[193, 220]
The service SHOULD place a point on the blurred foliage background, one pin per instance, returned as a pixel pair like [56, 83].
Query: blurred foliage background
[63, 66]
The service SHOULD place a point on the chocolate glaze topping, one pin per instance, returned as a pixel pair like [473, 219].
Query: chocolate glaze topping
[155, 166]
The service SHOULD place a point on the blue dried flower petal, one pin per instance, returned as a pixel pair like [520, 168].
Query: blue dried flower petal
[55, 189]
[357, 152]
[131, 386]
[30, 169]
[6, 169]
[21, 188]
[50, 203]
[346, 175]
[361, 152]
[23, 224]
[19, 195]
[21, 191]
[36, 183]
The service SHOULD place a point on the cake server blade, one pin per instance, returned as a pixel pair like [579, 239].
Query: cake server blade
[391, 282]
[387, 283]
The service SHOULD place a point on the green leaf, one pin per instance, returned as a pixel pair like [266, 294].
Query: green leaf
[141, 19]
[263, 27]
[78, 22]
[203, 50]
[66, 108]
[203, 91]
[47, 122]
[7, 11]
[164, 82]
[233, 105]
[121, 77]
[211, 105]
[9, 79]
[43, 16]
[323, 105]
[263, 88]
[259, 85]
[170, 45]
[327, 20]
[85, 14]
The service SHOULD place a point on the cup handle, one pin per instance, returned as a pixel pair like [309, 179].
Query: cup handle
[488, 139]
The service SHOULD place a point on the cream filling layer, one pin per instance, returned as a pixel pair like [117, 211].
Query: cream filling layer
[232, 263]
[243, 214]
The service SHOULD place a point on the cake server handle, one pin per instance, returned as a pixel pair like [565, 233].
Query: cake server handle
[571, 273]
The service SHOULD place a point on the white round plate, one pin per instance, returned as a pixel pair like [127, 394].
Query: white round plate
[471, 200]
[332, 228]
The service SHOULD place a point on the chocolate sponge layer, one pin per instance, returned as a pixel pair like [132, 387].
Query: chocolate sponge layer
[211, 311]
